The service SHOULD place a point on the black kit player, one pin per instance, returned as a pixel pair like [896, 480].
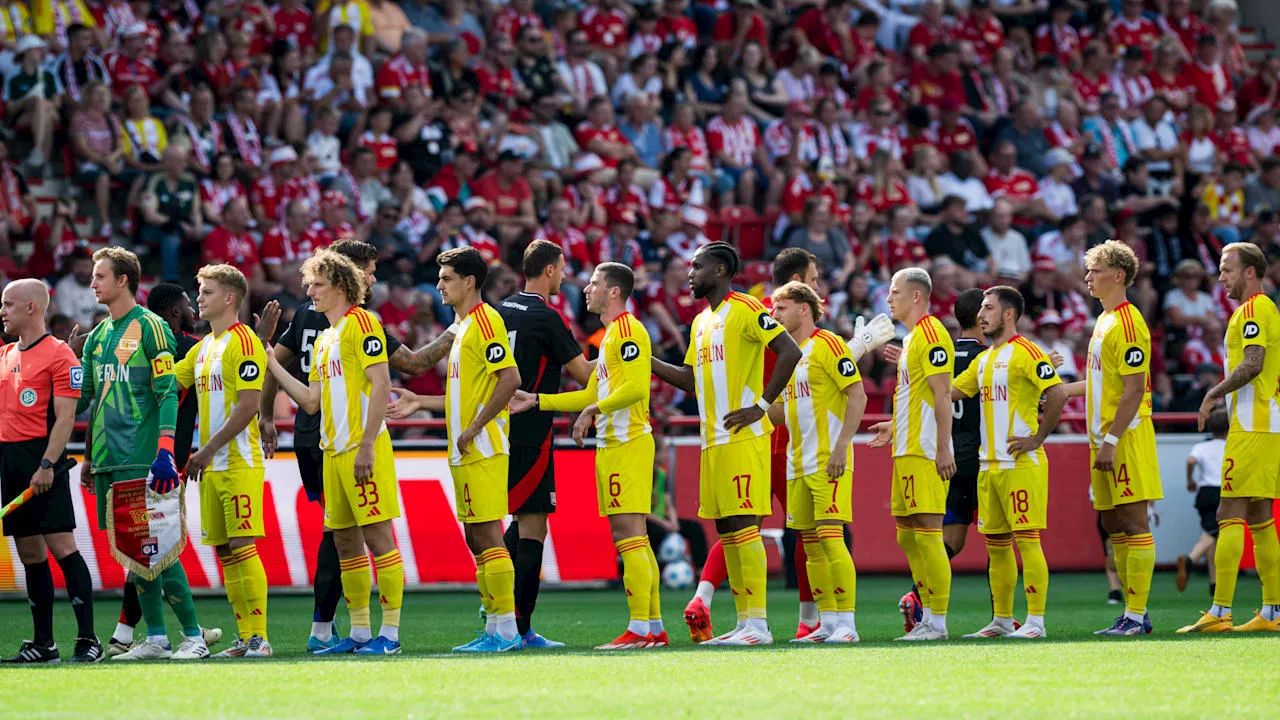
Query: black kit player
[298, 341]
[962, 496]
[542, 345]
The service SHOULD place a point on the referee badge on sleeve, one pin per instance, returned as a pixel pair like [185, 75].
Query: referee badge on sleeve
[77, 377]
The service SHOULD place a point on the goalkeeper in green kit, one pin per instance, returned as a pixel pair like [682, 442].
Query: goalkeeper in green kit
[128, 362]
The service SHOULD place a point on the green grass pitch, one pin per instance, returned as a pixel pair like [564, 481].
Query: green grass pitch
[1072, 674]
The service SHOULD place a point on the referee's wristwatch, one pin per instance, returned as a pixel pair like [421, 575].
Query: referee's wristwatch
[46, 464]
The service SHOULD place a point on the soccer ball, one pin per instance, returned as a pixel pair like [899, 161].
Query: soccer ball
[677, 575]
[671, 549]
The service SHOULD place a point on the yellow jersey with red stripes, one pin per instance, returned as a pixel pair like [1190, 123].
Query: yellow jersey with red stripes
[619, 385]
[1256, 406]
[343, 354]
[220, 368]
[780, 441]
[726, 352]
[926, 351]
[1008, 380]
[1120, 346]
[814, 402]
[479, 351]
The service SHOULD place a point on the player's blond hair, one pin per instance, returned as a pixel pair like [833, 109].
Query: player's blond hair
[339, 271]
[798, 292]
[916, 276]
[1115, 255]
[228, 278]
[123, 263]
[1251, 256]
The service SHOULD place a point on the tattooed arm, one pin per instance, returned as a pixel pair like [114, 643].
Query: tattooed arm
[418, 362]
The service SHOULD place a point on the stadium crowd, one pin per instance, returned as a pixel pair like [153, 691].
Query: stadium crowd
[988, 141]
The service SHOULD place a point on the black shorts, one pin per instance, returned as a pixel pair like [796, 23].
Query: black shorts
[44, 514]
[962, 501]
[531, 480]
[1207, 499]
[311, 468]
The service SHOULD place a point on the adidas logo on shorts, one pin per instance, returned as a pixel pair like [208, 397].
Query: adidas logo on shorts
[374, 512]
[746, 505]
[832, 510]
[614, 504]
[1127, 493]
[246, 525]
[1022, 520]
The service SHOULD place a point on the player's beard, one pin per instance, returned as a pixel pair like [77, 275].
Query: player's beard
[994, 332]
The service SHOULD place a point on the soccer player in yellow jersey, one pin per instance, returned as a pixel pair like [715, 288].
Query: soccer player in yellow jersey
[724, 369]
[1122, 441]
[1009, 379]
[482, 380]
[616, 401]
[923, 459]
[1251, 464]
[822, 408]
[349, 385]
[226, 371]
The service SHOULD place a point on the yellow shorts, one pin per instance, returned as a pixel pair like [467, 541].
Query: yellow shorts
[1011, 499]
[624, 477]
[918, 489]
[231, 505]
[480, 489]
[1251, 465]
[819, 497]
[1135, 475]
[348, 503]
[734, 479]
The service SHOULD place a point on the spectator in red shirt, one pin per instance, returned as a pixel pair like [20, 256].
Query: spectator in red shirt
[672, 306]
[734, 29]
[1207, 77]
[510, 197]
[292, 241]
[983, 30]
[606, 24]
[1057, 38]
[407, 68]
[295, 24]
[598, 134]
[937, 80]
[675, 26]
[129, 65]
[928, 32]
[232, 244]
[734, 139]
[1017, 186]
[827, 30]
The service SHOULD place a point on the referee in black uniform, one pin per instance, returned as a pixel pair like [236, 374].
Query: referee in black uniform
[298, 342]
[542, 346]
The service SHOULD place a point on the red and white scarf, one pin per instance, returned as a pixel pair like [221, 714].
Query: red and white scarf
[197, 142]
[65, 14]
[356, 197]
[12, 194]
[1109, 141]
[248, 144]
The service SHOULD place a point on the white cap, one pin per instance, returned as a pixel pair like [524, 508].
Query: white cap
[1058, 156]
[133, 29]
[695, 216]
[29, 42]
[587, 163]
[283, 154]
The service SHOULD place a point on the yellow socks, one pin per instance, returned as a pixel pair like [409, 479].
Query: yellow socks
[232, 579]
[1120, 550]
[1139, 567]
[937, 567]
[1002, 572]
[390, 569]
[1035, 570]
[733, 566]
[1226, 559]
[655, 597]
[755, 570]
[500, 583]
[844, 579]
[485, 600]
[1266, 555]
[357, 583]
[637, 580]
[819, 572]
[253, 589]
[907, 541]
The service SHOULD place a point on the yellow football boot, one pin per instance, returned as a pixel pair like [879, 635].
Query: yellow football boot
[1209, 623]
[1258, 624]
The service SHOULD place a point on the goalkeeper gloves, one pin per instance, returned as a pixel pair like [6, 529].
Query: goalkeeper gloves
[868, 336]
[164, 471]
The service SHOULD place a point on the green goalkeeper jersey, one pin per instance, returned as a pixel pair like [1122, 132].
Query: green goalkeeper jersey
[128, 378]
